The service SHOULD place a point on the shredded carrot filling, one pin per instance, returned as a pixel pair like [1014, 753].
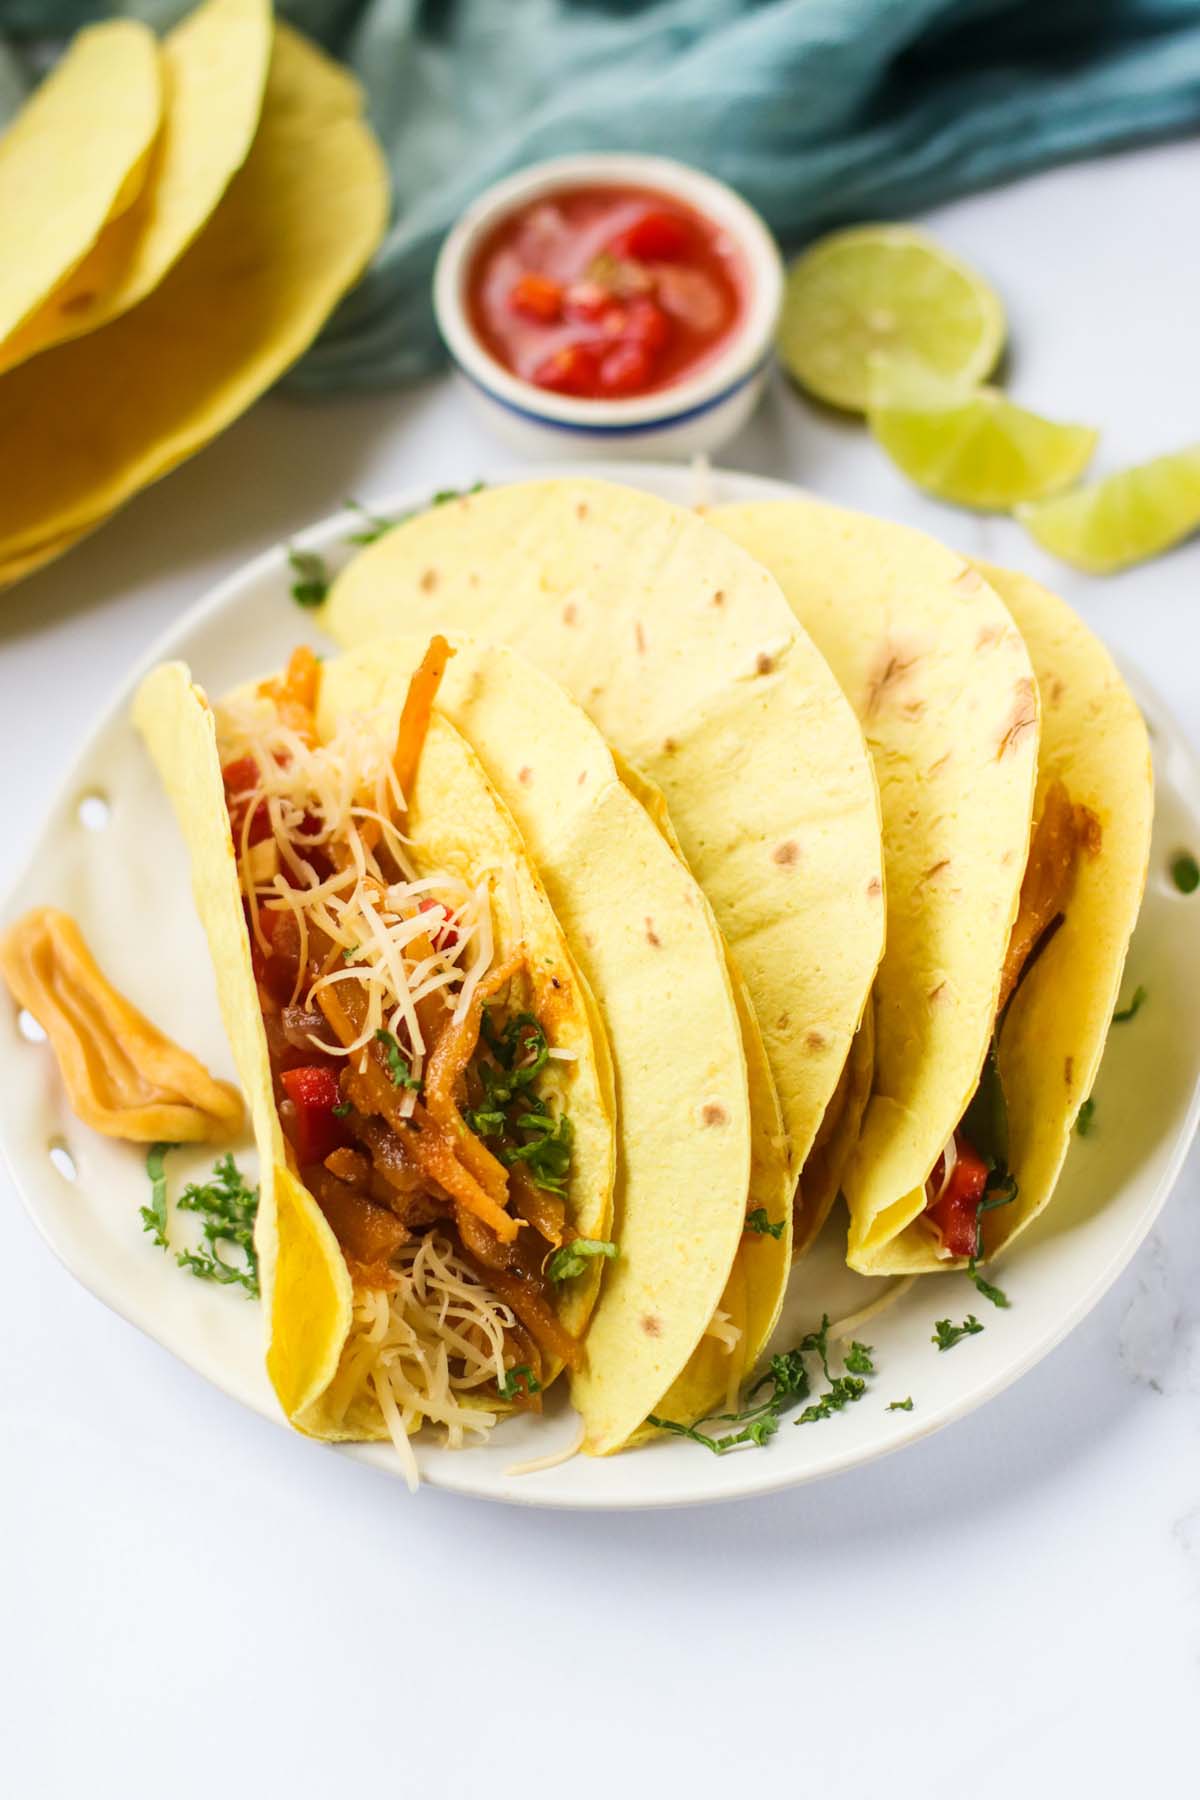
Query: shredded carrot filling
[418, 710]
[1049, 872]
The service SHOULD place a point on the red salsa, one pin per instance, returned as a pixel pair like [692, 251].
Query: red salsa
[606, 292]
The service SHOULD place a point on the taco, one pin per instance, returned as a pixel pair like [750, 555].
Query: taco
[423, 1064]
[531, 1108]
[683, 652]
[992, 851]
[672, 1335]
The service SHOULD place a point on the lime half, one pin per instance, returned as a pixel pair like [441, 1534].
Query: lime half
[885, 295]
[980, 450]
[1124, 519]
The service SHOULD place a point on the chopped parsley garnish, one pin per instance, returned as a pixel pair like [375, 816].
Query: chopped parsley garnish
[985, 1127]
[154, 1216]
[517, 1381]
[1140, 997]
[1085, 1118]
[905, 1405]
[1185, 872]
[373, 527]
[996, 1295]
[377, 525]
[397, 1063]
[226, 1208]
[946, 1335]
[783, 1385]
[572, 1259]
[342, 1108]
[311, 585]
[511, 1112]
[759, 1222]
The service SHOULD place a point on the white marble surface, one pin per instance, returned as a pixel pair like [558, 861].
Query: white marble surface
[191, 1600]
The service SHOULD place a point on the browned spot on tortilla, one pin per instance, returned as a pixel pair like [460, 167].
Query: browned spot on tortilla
[714, 1114]
[1091, 832]
[914, 708]
[783, 1021]
[935, 993]
[525, 776]
[639, 636]
[1058, 688]
[718, 598]
[650, 1325]
[428, 581]
[874, 888]
[814, 1040]
[936, 767]
[669, 746]
[582, 778]
[79, 303]
[652, 936]
[581, 509]
[763, 664]
[1069, 1072]
[1022, 718]
[936, 869]
[968, 579]
[570, 613]
[891, 669]
[473, 579]
[786, 854]
[990, 634]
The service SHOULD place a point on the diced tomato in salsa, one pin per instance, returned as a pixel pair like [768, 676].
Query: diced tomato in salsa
[316, 1130]
[956, 1214]
[606, 292]
[444, 937]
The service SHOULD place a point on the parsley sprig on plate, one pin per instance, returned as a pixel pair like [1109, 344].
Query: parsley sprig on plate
[783, 1385]
[226, 1207]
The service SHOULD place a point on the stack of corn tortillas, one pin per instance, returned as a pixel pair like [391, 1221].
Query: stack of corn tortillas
[189, 213]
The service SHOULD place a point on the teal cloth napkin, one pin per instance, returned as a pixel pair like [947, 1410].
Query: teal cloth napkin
[818, 111]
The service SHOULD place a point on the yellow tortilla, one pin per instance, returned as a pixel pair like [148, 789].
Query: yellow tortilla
[73, 159]
[297, 225]
[646, 941]
[215, 67]
[682, 650]
[1094, 740]
[938, 674]
[456, 823]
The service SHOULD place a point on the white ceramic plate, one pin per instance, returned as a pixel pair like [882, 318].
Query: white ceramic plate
[110, 853]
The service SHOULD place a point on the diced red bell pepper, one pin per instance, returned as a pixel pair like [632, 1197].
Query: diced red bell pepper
[445, 937]
[537, 297]
[316, 1131]
[655, 237]
[241, 778]
[956, 1214]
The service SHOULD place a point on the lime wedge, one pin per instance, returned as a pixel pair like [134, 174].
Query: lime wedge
[885, 294]
[979, 449]
[1124, 519]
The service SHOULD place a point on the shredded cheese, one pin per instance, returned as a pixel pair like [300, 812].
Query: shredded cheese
[553, 1459]
[855, 1321]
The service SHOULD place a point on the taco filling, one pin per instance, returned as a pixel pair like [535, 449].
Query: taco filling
[414, 1064]
[971, 1176]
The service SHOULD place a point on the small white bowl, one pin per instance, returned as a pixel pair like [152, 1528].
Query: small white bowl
[692, 417]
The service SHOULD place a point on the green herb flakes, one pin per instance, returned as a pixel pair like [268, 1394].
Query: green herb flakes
[311, 586]
[946, 1335]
